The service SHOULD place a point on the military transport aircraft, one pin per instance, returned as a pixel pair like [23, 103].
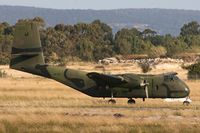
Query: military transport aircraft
[27, 56]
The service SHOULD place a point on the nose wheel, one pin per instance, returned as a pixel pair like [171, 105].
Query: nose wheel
[131, 101]
[187, 102]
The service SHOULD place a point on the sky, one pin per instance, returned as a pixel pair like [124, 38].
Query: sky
[106, 4]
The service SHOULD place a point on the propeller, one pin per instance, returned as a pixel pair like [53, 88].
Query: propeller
[146, 90]
[145, 85]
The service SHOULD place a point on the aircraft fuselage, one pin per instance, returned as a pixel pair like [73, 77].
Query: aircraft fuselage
[159, 86]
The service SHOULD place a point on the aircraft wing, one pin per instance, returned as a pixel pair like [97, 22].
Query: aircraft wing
[170, 74]
[104, 79]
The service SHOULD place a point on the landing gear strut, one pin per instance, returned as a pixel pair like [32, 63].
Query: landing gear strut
[143, 99]
[131, 101]
[112, 101]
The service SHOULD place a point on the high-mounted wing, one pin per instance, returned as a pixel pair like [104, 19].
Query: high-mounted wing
[104, 79]
[170, 74]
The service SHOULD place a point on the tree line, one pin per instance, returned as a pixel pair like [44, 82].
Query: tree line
[94, 41]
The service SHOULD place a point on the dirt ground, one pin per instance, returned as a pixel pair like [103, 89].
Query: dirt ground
[31, 104]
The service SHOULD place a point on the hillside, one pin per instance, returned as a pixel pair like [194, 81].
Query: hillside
[162, 20]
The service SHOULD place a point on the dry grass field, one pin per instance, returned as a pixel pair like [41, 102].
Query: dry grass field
[30, 104]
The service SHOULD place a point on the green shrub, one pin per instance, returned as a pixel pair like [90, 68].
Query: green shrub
[3, 74]
[158, 51]
[4, 58]
[145, 66]
[193, 71]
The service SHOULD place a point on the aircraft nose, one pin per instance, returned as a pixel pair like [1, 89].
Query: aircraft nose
[180, 90]
[186, 91]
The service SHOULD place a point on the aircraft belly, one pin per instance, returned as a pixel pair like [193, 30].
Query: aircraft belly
[125, 93]
[97, 92]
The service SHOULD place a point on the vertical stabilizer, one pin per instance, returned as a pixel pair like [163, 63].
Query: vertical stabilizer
[26, 50]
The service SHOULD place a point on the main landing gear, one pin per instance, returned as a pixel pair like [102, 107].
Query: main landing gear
[131, 101]
[112, 101]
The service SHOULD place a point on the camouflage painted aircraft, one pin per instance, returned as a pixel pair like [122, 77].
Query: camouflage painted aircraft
[27, 56]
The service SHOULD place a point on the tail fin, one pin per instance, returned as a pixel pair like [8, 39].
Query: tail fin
[26, 50]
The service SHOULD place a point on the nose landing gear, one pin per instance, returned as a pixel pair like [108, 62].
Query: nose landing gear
[187, 101]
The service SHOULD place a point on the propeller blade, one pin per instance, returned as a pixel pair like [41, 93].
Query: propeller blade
[146, 90]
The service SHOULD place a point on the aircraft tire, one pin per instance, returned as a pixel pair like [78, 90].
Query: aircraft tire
[186, 103]
[131, 101]
[111, 101]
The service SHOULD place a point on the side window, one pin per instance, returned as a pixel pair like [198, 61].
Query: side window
[169, 78]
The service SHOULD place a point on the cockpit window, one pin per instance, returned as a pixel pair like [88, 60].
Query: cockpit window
[170, 78]
[175, 78]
